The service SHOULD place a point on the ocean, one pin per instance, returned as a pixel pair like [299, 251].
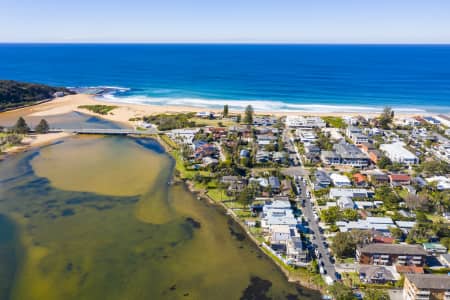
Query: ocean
[307, 78]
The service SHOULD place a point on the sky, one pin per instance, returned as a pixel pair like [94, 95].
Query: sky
[246, 21]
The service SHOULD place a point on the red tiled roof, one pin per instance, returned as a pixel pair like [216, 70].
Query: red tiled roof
[409, 269]
[400, 177]
[383, 239]
[359, 177]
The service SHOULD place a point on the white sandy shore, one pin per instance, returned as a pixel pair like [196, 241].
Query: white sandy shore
[122, 114]
[37, 140]
[125, 111]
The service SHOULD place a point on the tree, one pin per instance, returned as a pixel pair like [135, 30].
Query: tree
[375, 294]
[343, 245]
[396, 232]
[386, 117]
[248, 118]
[245, 197]
[42, 127]
[339, 291]
[349, 215]
[21, 126]
[384, 162]
[416, 201]
[330, 215]
[225, 110]
[238, 118]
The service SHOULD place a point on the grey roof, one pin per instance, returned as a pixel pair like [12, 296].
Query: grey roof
[274, 182]
[430, 281]
[395, 249]
[349, 151]
[376, 272]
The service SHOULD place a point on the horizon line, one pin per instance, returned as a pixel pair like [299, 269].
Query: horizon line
[225, 43]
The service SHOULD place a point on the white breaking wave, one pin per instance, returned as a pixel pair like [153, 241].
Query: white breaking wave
[258, 105]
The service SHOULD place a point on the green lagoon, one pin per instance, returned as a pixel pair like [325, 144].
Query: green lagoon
[93, 217]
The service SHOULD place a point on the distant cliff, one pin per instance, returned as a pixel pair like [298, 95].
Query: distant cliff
[15, 94]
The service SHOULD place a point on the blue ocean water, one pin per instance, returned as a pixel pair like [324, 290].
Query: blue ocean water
[270, 77]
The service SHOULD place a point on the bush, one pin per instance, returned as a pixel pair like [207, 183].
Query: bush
[98, 109]
[168, 122]
[42, 127]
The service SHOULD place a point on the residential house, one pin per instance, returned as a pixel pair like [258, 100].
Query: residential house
[356, 135]
[321, 180]
[379, 224]
[345, 154]
[377, 274]
[366, 147]
[244, 153]
[405, 226]
[434, 248]
[278, 212]
[304, 122]
[345, 203]
[445, 259]
[426, 286]
[330, 158]
[444, 119]
[399, 179]
[391, 254]
[340, 180]
[378, 178]
[351, 155]
[432, 121]
[274, 184]
[360, 180]
[295, 253]
[442, 182]
[229, 179]
[262, 156]
[336, 193]
[375, 156]
[397, 153]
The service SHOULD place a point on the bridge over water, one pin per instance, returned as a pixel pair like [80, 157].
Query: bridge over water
[106, 131]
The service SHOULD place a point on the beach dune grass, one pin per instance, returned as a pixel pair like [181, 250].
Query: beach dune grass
[99, 109]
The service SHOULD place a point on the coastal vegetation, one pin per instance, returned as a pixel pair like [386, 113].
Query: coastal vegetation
[225, 110]
[42, 127]
[248, 116]
[168, 122]
[8, 140]
[336, 122]
[14, 94]
[99, 109]
[386, 117]
[21, 126]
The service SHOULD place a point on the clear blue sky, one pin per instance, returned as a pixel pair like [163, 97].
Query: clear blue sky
[304, 21]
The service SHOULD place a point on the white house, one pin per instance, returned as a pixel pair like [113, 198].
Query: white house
[304, 122]
[345, 203]
[397, 153]
[340, 180]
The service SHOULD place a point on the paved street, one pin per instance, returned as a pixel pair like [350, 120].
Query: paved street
[318, 239]
[308, 209]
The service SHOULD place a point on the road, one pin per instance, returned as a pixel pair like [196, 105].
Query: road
[318, 239]
[307, 210]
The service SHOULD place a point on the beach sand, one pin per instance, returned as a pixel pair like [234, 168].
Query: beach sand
[37, 140]
[125, 111]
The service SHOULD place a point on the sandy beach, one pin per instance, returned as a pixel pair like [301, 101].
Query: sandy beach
[125, 111]
[37, 140]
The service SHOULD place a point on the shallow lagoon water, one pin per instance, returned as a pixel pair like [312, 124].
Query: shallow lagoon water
[93, 218]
